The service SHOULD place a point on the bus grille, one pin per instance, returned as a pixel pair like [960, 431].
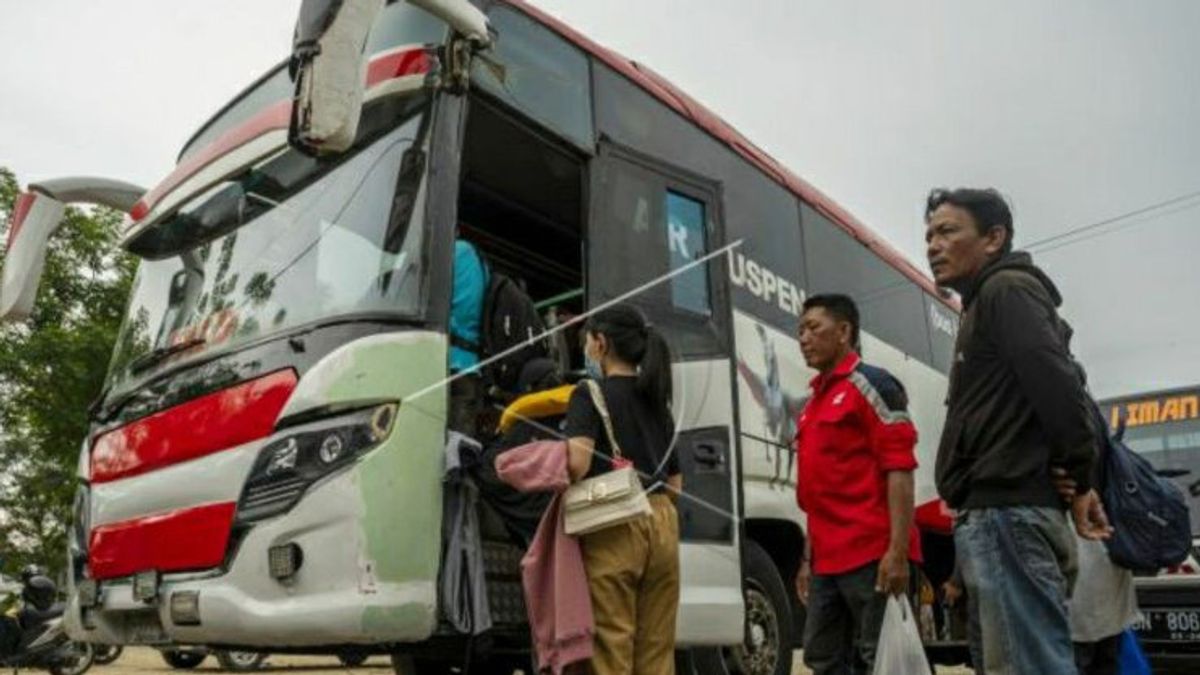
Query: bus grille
[271, 497]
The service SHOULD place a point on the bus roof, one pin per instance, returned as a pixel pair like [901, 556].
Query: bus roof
[689, 108]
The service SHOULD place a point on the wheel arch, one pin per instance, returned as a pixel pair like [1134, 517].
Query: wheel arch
[783, 540]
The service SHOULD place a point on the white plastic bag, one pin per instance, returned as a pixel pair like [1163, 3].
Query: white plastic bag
[900, 651]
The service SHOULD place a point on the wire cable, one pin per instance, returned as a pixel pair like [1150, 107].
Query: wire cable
[1108, 221]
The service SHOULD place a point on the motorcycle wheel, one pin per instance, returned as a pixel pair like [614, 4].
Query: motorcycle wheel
[106, 654]
[240, 661]
[183, 660]
[84, 656]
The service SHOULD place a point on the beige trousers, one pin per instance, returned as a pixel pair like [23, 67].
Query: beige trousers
[633, 579]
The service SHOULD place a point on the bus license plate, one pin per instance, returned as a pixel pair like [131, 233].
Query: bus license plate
[1169, 625]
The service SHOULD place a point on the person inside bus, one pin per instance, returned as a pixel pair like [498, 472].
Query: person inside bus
[522, 511]
[466, 317]
[854, 443]
[632, 567]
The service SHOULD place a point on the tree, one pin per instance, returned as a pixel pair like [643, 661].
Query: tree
[52, 366]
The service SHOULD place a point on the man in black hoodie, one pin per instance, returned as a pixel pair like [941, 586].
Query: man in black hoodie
[1017, 416]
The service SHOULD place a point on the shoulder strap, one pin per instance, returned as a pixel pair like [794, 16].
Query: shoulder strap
[602, 408]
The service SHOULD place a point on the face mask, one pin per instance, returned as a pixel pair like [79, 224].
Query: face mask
[594, 371]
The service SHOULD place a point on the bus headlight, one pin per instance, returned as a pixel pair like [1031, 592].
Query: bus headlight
[286, 467]
[331, 448]
[283, 458]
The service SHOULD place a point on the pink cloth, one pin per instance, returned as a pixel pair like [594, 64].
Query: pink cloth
[552, 571]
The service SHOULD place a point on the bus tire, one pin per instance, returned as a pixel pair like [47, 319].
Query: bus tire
[769, 625]
[240, 661]
[353, 658]
[183, 660]
[106, 654]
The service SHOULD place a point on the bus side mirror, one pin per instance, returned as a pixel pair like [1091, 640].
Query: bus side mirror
[329, 69]
[36, 214]
[329, 65]
[34, 218]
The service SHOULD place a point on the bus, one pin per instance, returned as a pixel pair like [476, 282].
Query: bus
[265, 469]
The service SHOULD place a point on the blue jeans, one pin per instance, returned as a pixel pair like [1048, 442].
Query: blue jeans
[1018, 563]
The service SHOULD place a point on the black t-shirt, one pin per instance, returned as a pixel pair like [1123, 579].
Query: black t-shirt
[645, 432]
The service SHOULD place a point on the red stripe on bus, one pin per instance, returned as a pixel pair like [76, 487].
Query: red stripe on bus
[398, 64]
[188, 539]
[20, 211]
[202, 426]
[708, 121]
[274, 117]
[271, 118]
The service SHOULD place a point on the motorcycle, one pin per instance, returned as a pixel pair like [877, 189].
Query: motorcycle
[32, 634]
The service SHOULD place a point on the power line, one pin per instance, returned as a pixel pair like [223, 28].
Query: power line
[1114, 219]
[1119, 228]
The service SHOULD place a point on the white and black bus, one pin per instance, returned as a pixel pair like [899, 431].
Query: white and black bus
[283, 300]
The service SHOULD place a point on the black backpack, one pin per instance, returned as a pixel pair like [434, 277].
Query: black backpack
[1151, 524]
[509, 319]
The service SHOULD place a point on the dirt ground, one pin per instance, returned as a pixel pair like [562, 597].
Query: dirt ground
[142, 661]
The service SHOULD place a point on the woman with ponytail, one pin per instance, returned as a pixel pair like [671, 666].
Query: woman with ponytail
[633, 567]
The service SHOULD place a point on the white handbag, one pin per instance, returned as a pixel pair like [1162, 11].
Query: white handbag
[609, 499]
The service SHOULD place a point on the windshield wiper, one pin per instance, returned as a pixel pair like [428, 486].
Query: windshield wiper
[156, 356]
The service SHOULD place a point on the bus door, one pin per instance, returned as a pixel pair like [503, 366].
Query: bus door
[650, 224]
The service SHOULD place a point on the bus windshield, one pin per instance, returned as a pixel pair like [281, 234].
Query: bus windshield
[290, 241]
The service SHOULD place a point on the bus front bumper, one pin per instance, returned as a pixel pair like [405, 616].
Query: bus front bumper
[335, 595]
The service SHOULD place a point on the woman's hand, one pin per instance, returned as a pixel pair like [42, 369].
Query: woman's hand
[675, 487]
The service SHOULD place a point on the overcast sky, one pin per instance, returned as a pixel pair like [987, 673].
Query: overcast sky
[1078, 110]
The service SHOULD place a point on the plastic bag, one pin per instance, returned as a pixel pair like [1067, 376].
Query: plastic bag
[900, 651]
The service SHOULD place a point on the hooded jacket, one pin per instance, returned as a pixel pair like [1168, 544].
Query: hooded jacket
[1017, 405]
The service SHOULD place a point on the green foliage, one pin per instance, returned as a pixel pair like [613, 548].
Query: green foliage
[52, 366]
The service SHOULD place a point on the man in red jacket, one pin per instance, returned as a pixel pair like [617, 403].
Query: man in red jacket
[855, 447]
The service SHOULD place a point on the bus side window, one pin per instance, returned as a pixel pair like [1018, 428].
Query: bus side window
[649, 229]
[538, 73]
[687, 243]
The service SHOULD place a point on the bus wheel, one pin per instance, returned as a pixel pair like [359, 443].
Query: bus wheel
[353, 658]
[240, 661]
[768, 646]
[182, 660]
[106, 654]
